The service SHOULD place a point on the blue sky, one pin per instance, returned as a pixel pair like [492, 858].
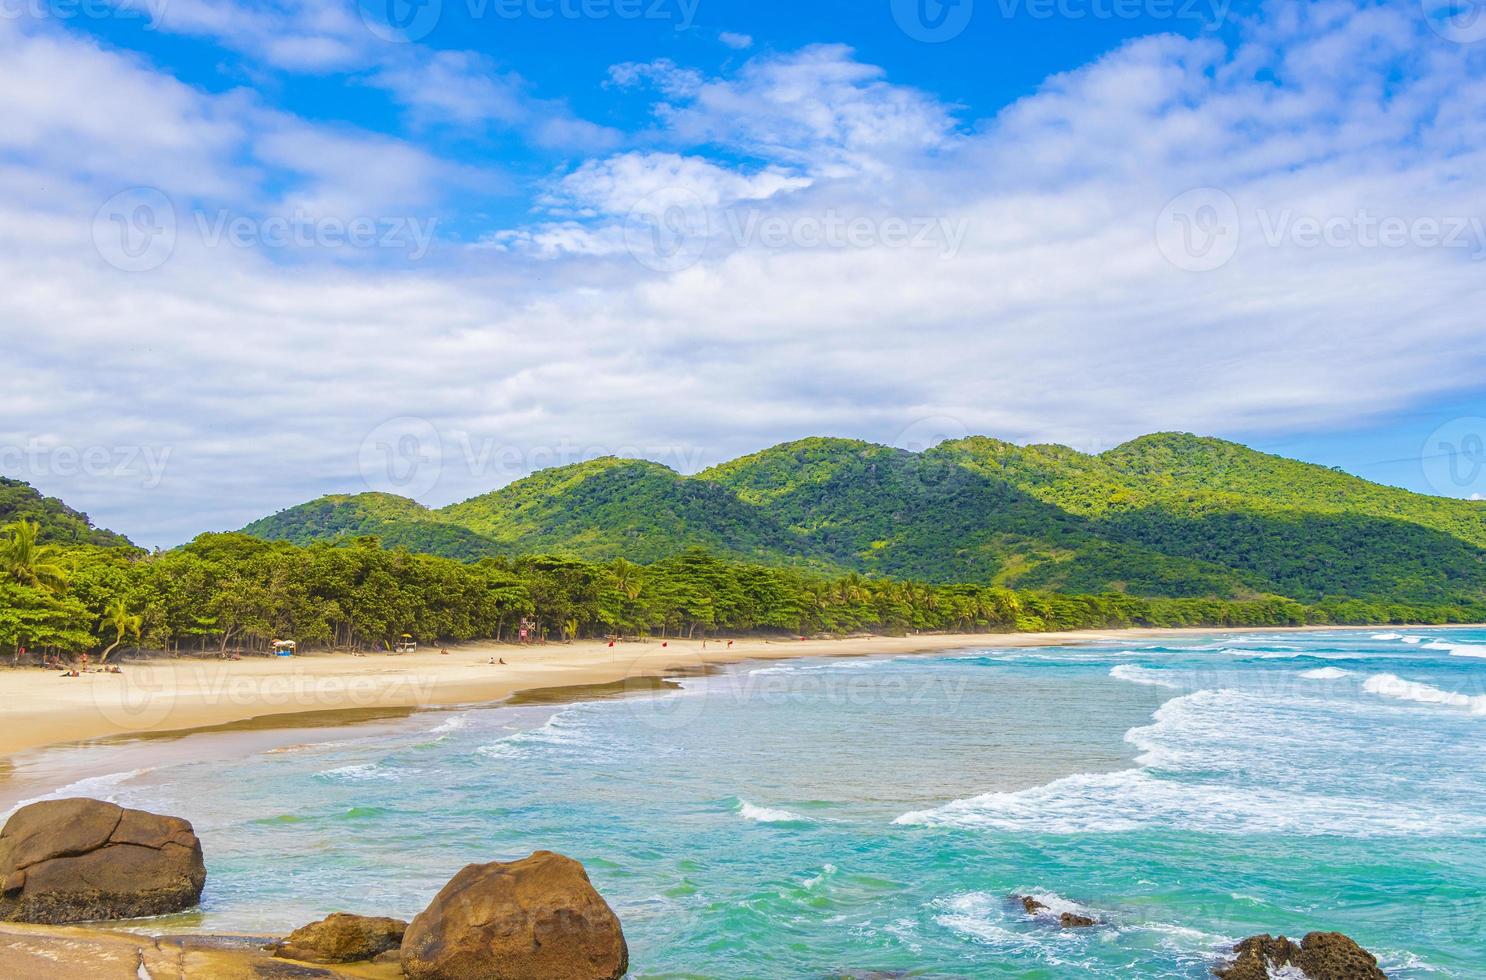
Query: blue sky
[259, 251]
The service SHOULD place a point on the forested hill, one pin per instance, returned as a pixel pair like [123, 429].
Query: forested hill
[56, 522]
[1164, 515]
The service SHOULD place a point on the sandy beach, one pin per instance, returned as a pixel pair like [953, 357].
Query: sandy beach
[39, 708]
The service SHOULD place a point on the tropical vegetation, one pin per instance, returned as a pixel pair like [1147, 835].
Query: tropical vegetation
[820, 536]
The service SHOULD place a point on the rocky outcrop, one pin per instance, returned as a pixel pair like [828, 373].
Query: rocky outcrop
[1066, 920]
[342, 938]
[1320, 956]
[537, 917]
[39, 952]
[78, 860]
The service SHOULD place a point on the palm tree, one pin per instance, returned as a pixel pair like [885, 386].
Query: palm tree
[30, 563]
[124, 624]
[626, 578]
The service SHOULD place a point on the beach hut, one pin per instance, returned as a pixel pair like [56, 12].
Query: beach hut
[283, 648]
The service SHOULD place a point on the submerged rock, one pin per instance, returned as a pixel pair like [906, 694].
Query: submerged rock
[1066, 920]
[1320, 956]
[342, 938]
[77, 860]
[537, 917]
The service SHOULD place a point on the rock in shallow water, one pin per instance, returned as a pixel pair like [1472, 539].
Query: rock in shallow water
[342, 938]
[1320, 956]
[538, 917]
[1066, 920]
[78, 860]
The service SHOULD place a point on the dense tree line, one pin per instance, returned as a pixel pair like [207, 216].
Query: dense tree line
[225, 592]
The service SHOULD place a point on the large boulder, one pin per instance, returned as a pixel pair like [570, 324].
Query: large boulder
[342, 938]
[76, 860]
[1320, 956]
[534, 918]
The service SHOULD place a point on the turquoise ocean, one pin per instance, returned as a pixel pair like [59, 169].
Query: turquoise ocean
[861, 816]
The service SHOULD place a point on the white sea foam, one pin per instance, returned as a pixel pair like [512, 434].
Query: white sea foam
[1134, 799]
[94, 787]
[1413, 639]
[766, 814]
[1387, 636]
[1136, 674]
[1054, 905]
[978, 916]
[1458, 649]
[1393, 686]
[366, 772]
[566, 730]
[1309, 654]
[452, 724]
[1325, 674]
[827, 871]
[1225, 761]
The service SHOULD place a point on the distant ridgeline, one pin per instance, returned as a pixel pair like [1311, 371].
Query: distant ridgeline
[56, 521]
[1165, 515]
[816, 536]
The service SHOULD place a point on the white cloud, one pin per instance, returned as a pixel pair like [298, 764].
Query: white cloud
[462, 88]
[736, 41]
[470, 90]
[1057, 318]
[818, 109]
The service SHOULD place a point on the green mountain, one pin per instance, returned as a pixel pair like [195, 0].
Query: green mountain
[1164, 515]
[398, 521]
[58, 523]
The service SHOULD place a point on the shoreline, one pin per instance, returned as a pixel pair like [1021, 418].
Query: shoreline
[176, 697]
[57, 731]
[161, 697]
